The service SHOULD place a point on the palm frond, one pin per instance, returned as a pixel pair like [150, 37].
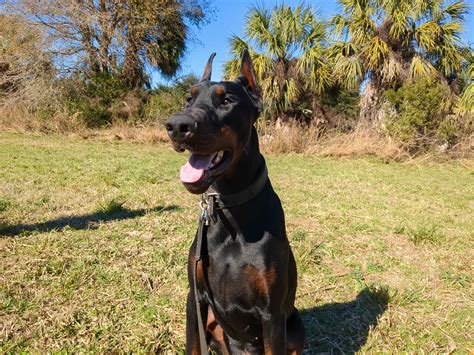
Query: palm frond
[456, 10]
[231, 69]
[428, 35]
[257, 27]
[262, 63]
[421, 68]
[391, 68]
[375, 52]
[450, 59]
[349, 72]
[465, 104]
[340, 24]
[292, 92]
[237, 45]
[345, 49]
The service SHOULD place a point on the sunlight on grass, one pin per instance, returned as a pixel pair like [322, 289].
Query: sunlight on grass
[110, 205]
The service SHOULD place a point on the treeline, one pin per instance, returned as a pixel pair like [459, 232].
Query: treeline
[405, 58]
[90, 60]
[397, 67]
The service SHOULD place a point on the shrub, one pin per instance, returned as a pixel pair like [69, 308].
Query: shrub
[421, 114]
[341, 109]
[342, 101]
[93, 97]
[168, 99]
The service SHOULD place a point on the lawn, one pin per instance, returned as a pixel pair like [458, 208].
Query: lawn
[94, 238]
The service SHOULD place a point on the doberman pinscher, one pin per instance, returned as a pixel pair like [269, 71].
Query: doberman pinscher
[241, 271]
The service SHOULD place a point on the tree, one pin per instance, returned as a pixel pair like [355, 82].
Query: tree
[287, 49]
[155, 34]
[386, 42]
[26, 71]
[465, 106]
[121, 36]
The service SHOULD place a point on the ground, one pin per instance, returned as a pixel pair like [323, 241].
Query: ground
[94, 238]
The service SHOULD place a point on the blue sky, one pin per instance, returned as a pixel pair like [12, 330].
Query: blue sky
[229, 19]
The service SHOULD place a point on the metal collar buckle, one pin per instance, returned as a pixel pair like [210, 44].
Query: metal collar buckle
[207, 206]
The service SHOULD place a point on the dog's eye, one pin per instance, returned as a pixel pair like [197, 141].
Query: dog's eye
[226, 101]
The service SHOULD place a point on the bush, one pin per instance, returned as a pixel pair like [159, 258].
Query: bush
[342, 101]
[421, 114]
[166, 100]
[341, 109]
[92, 98]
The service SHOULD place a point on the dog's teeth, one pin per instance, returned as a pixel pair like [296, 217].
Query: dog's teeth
[217, 158]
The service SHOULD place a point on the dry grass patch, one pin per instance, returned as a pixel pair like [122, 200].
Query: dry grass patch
[141, 134]
[288, 137]
[359, 143]
[294, 137]
[19, 119]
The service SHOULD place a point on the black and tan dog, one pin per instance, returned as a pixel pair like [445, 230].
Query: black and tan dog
[242, 273]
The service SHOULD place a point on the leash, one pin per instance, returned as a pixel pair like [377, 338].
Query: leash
[202, 231]
[210, 202]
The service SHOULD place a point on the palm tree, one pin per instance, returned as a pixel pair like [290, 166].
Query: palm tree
[287, 49]
[386, 42]
[465, 105]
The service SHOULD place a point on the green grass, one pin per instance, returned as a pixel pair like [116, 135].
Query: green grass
[94, 237]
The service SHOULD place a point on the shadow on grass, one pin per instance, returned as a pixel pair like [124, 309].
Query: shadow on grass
[344, 327]
[87, 221]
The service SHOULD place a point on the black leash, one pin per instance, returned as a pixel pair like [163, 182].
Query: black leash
[210, 202]
[203, 224]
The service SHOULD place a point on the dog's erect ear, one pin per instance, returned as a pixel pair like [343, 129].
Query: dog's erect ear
[208, 69]
[248, 79]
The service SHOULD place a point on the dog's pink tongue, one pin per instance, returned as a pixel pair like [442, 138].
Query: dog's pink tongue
[193, 170]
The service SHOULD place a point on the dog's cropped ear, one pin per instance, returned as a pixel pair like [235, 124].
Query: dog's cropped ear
[248, 79]
[206, 76]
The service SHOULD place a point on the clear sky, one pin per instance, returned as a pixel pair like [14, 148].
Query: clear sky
[229, 19]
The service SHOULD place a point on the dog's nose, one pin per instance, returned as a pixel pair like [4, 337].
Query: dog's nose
[180, 127]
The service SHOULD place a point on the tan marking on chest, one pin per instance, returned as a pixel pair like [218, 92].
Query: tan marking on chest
[200, 271]
[261, 281]
[216, 331]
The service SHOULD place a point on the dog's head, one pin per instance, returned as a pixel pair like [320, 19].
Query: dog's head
[215, 125]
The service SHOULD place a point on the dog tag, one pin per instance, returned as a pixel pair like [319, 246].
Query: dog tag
[205, 216]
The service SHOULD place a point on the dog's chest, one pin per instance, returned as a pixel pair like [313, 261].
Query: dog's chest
[241, 273]
[238, 288]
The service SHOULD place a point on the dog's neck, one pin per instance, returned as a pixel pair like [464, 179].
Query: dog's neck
[246, 171]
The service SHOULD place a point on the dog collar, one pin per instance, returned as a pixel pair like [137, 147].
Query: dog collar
[239, 198]
[211, 200]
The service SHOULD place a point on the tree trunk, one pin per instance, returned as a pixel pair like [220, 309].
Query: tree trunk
[372, 105]
[91, 51]
[107, 31]
[132, 67]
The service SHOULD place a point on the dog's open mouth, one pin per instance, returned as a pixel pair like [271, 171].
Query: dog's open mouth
[204, 166]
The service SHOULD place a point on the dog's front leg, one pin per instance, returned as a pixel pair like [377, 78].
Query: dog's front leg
[274, 334]
[192, 334]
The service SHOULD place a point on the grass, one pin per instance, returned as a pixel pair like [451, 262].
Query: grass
[422, 234]
[94, 238]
